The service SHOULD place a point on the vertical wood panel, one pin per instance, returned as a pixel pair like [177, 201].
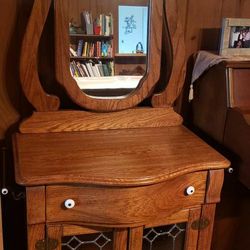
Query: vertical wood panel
[203, 18]
[120, 239]
[135, 238]
[8, 19]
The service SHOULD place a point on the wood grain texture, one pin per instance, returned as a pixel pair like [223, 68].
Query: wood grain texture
[55, 232]
[112, 157]
[175, 218]
[70, 230]
[69, 121]
[205, 235]
[9, 89]
[35, 233]
[177, 78]
[191, 240]
[95, 205]
[120, 239]
[214, 185]
[210, 116]
[239, 88]
[35, 203]
[28, 60]
[135, 238]
[80, 98]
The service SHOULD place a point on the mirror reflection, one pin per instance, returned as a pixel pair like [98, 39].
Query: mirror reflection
[108, 45]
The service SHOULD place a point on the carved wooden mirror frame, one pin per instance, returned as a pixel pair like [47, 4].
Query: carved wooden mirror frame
[162, 12]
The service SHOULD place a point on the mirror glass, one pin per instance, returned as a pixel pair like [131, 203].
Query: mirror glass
[108, 45]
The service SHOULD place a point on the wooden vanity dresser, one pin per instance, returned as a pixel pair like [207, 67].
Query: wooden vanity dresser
[134, 178]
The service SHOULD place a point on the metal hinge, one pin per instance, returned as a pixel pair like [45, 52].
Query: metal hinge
[48, 244]
[200, 224]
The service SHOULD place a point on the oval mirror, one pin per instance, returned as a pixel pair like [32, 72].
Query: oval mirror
[108, 52]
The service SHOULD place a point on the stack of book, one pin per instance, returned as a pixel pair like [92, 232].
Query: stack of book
[102, 25]
[91, 69]
[92, 49]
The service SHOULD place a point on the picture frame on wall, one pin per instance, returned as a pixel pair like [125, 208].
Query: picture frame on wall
[235, 37]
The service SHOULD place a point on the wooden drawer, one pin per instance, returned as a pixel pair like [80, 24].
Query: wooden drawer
[239, 87]
[126, 206]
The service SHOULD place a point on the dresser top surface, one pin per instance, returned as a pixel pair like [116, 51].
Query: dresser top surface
[125, 157]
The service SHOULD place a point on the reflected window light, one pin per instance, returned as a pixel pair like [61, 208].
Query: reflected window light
[133, 29]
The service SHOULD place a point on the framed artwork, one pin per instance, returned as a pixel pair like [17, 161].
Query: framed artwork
[235, 37]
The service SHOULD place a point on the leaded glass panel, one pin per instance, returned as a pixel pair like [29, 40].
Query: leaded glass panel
[171, 237]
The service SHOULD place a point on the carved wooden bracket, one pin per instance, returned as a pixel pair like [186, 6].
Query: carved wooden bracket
[30, 82]
[177, 78]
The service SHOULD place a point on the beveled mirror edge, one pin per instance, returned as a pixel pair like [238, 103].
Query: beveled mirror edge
[66, 80]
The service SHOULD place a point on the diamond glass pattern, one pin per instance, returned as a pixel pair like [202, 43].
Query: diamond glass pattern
[169, 237]
[101, 241]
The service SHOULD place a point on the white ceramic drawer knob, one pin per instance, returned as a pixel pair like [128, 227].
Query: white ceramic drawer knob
[190, 190]
[69, 203]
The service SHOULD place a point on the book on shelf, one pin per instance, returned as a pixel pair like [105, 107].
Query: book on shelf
[91, 69]
[87, 22]
[101, 25]
[92, 49]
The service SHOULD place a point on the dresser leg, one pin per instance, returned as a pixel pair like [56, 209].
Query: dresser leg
[205, 235]
[135, 238]
[191, 239]
[120, 239]
[36, 235]
[55, 234]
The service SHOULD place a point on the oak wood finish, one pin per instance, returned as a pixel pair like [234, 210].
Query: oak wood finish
[214, 185]
[55, 232]
[191, 239]
[69, 230]
[69, 121]
[35, 203]
[120, 239]
[175, 218]
[194, 15]
[28, 60]
[145, 86]
[207, 114]
[112, 157]
[239, 88]
[176, 81]
[35, 234]
[135, 238]
[205, 235]
[144, 171]
[140, 203]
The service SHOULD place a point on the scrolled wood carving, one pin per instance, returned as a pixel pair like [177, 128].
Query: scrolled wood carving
[30, 82]
[177, 78]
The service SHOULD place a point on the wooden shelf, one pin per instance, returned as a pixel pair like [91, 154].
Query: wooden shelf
[83, 58]
[85, 36]
[130, 55]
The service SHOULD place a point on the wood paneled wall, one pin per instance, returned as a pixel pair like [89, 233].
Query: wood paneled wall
[201, 21]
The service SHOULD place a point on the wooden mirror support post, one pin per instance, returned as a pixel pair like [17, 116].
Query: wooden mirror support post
[114, 176]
